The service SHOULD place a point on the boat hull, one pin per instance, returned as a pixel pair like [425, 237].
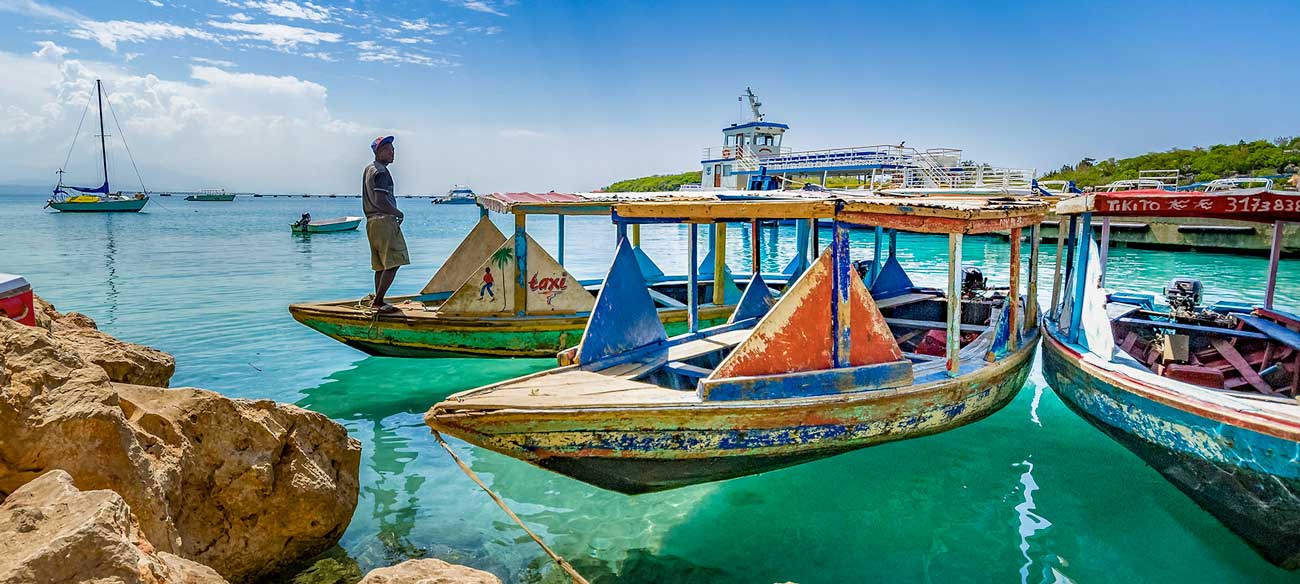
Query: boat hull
[1220, 235]
[644, 449]
[1247, 479]
[331, 228]
[431, 335]
[127, 206]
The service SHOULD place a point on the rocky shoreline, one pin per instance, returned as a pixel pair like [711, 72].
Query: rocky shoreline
[105, 473]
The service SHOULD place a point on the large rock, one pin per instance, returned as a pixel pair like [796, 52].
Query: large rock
[246, 487]
[124, 362]
[428, 571]
[52, 532]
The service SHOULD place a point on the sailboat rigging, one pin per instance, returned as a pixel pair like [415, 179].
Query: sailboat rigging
[101, 198]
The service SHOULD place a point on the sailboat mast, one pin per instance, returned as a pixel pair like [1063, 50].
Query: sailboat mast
[103, 150]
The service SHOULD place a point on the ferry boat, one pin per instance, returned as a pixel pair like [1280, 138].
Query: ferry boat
[479, 303]
[1194, 233]
[211, 195]
[752, 156]
[1206, 394]
[458, 195]
[837, 363]
[96, 199]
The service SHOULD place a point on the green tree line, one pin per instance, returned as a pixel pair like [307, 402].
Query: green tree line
[658, 182]
[1257, 158]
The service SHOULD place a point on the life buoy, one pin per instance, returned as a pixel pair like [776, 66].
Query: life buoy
[726, 153]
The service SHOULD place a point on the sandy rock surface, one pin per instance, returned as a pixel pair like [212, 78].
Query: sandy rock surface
[124, 362]
[52, 532]
[428, 571]
[245, 487]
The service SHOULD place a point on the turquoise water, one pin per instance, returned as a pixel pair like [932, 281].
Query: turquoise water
[1030, 494]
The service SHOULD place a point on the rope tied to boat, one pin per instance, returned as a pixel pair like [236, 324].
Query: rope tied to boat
[560, 561]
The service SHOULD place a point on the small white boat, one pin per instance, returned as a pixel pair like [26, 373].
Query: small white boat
[327, 225]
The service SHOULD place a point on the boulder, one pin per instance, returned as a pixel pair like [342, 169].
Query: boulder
[246, 487]
[52, 532]
[428, 571]
[124, 362]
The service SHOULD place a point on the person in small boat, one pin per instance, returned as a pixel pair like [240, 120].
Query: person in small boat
[383, 222]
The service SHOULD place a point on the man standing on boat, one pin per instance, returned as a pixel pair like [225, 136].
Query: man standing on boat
[383, 222]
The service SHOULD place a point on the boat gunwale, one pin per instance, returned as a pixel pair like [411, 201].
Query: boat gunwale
[1009, 362]
[1182, 396]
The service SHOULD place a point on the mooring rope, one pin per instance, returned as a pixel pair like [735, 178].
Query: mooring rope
[564, 564]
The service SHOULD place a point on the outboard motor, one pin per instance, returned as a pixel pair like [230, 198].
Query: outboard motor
[1183, 294]
[861, 267]
[972, 282]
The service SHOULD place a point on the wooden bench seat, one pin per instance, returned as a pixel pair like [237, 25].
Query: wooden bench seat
[1191, 328]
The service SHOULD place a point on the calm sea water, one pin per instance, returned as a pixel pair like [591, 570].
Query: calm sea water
[1031, 494]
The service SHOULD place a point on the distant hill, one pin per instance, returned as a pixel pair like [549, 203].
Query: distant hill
[1258, 158]
[658, 182]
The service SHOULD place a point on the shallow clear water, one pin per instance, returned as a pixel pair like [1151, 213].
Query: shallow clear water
[1031, 494]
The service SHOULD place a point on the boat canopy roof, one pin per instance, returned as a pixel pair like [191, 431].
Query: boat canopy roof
[935, 214]
[1258, 205]
[553, 203]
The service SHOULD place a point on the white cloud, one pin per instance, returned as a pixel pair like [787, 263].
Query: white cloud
[128, 57]
[278, 130]
[215, 62]
[49, 50]
[240, 17]
[373, 52]
[280, 35]
[109, 33]
[289, 9]
[478, 6]
[156, 3]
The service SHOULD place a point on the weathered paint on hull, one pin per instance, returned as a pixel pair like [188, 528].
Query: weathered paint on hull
[1245, 479]
[1164, 233]
[644, 449]
[391, 336]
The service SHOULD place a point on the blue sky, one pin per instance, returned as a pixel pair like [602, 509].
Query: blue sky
[280, 95]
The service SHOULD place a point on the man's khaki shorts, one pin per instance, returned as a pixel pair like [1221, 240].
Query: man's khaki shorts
[387, 246]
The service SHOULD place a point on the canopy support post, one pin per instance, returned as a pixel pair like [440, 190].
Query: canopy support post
[521, 264]
[693, 279]
[1104, 248]
[954, 304]
[1080, 276]
[875, 259]
[1031, 300]
[841, 273]
[814, 236]
[559, 225]
[719, 263]
[754, 245]
[636, 235]
[621, 230]
[1274, 255]
[1013, 310]
[482, 212]
[1061, 263]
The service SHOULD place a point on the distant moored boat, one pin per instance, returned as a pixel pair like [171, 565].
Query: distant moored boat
[211, 195]
[326, 225]
[458, 195]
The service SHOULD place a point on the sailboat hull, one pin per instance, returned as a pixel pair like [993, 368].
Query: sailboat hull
[128, 206]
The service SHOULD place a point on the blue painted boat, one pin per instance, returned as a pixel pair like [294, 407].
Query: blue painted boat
[1206, 395]
[839, 362]
[334, 225]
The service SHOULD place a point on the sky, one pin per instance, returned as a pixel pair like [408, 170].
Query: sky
[535, 95]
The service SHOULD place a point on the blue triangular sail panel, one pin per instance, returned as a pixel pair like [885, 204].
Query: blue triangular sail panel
[99, 189]
[892, 280]
[706, 265]
[802, 235]
[755, 302]
[624, 317]
[649, 270]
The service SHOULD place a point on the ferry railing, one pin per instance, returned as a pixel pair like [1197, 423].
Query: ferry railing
[734, 152]
[885, 156]
[971, 177]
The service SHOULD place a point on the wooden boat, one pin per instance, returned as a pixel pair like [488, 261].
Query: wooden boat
[1205, 395]
[836, 364]
[459, 314]
[97, 199]
[327, 225]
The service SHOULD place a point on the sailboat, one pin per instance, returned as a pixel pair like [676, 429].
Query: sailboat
[95, 199]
